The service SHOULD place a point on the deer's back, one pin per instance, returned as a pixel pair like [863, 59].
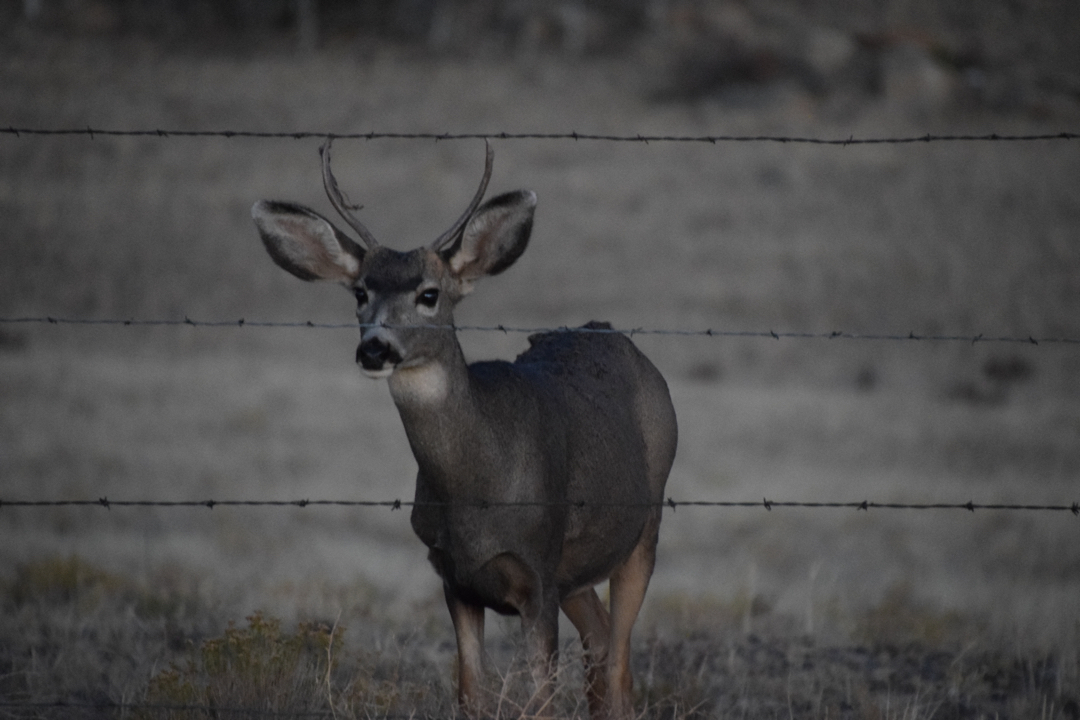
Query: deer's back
[620, 434]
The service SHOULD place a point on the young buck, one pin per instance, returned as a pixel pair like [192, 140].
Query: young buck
[537, 479]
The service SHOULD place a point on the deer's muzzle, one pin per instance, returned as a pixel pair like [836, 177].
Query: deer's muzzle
[376, 354]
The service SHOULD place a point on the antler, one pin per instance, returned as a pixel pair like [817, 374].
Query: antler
[336, 199]
[452, 236]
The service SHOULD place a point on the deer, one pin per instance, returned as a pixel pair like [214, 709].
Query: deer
[537, 479]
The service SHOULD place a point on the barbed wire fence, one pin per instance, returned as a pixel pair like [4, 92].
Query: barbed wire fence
[90, 132]
[169, 709]
[13, 132]
[506, 329]
[671, 504]
[210, 711]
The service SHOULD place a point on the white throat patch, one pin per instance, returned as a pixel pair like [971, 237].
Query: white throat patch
[425, 384]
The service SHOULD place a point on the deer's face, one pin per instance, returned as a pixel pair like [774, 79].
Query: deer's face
[404, 302]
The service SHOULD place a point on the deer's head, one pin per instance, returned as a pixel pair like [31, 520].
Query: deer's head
[405, 300]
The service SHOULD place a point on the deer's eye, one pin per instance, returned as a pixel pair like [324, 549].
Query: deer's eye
[428, 298]
[361, 295]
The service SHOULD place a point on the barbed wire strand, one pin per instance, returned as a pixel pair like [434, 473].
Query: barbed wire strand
[670, 503]
[576, 136]
[708, 332]
[210, 710]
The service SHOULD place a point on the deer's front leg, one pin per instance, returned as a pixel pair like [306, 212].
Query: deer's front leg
[537, 602]
[468, 621]
[541, 629]
[627, 586]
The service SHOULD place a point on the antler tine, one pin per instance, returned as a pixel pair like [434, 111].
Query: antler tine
[336, 199]
[453, 235]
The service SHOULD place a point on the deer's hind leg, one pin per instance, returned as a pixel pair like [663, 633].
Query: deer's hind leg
[628, 585]
[593, 623]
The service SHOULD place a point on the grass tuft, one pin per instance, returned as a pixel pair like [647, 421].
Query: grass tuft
[900, 618]
[255, 667]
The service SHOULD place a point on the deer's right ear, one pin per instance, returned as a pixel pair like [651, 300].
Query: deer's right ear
[305, 243]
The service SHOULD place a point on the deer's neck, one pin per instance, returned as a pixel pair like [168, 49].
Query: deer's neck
[437, 409]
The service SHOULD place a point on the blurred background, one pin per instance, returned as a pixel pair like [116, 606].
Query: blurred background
[945, 238]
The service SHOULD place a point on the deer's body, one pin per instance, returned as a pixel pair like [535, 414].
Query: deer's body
[584, 485]
[536, 479]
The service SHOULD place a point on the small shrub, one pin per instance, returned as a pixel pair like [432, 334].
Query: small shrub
[258, 667]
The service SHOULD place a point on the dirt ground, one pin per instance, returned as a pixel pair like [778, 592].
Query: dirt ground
[938, 238]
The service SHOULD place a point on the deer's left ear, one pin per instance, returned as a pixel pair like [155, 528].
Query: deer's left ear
[495, 236]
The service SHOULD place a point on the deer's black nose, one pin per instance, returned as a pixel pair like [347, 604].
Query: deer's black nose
[375, 353]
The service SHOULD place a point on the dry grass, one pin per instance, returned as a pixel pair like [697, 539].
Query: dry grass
[751, 614]
[88, 637]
